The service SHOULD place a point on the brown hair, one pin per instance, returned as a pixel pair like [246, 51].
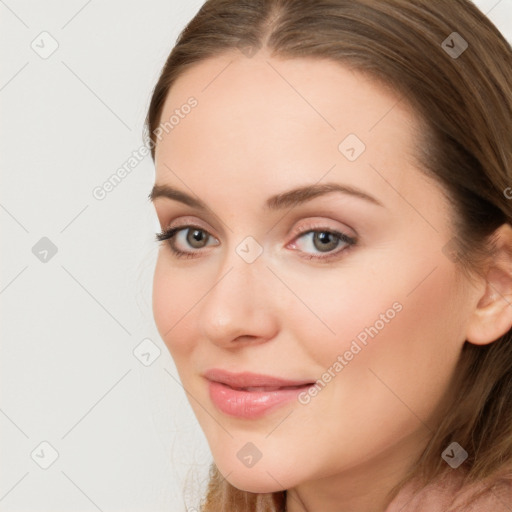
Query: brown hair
[465, 105]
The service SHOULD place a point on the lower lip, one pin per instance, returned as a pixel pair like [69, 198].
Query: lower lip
[250, 404]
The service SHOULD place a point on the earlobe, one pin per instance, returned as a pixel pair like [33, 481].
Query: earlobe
[492, 316]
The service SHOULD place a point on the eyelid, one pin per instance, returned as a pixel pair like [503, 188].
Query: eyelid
[169, 211]
[322, 225]
[189, 221]
[172, 231]
[350, 242]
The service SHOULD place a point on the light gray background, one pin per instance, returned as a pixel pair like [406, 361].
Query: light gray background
[125, 436]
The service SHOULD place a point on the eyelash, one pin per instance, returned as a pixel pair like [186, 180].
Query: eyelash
[169, 234]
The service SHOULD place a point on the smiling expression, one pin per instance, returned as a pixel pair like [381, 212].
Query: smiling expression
[294, 219]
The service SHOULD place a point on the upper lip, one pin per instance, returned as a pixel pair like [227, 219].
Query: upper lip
[249, 379]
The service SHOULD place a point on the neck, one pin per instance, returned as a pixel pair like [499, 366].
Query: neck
[364, 488]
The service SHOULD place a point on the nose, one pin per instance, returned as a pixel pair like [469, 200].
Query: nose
[239, 306]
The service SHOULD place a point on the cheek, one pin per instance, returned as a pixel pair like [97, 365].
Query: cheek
[338, 311]
[419, 352]
[174, 297]
[407, 364]
[391, 386]
[382, 336]
[410, 294]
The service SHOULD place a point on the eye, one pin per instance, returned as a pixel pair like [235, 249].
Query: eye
[184, 238]
[322, 241]
[196, 238]
[187, 241]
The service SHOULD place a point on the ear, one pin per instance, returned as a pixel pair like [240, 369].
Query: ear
[492, 316]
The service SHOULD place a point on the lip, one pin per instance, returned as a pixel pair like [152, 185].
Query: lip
[249, 379]
[226, 392]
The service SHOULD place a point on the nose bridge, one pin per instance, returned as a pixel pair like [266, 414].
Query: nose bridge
[243, 272]
[234, 283]
[237, 303]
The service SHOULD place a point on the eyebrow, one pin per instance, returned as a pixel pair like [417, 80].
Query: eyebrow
[280, 201]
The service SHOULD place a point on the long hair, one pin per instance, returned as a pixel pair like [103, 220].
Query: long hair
[463, 97]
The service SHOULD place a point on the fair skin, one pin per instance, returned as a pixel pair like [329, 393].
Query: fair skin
[253, 135]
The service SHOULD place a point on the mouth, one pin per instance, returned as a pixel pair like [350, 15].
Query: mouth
[249, 395]
[253, 381]
[266, 388]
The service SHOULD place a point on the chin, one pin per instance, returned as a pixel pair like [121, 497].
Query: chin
[261, 478]
[261, 484]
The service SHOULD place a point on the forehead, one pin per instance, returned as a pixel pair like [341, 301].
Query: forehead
[265, 119]
[325, 93]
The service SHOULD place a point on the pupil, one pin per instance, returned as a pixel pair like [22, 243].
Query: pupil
[325, 241]
[196, 238]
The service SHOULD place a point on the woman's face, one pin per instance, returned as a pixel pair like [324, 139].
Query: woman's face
[314, 250]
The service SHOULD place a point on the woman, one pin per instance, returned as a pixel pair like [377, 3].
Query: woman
[335, 274]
